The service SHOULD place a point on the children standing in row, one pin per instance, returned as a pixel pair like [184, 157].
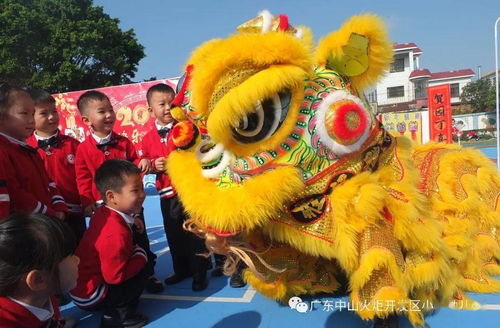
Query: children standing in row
[156, 145]
[58, 154]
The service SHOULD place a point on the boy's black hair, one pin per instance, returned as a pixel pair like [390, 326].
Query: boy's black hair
[87, 97]
[6, 91]
[111, 175]
[160, 87]
[31, 242]
[40, 96]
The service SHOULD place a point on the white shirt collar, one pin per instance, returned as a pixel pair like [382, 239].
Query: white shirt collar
[102, 140]
[13, 140]
[41, 314]
[129, 219]
[159, 126]
[37, 137]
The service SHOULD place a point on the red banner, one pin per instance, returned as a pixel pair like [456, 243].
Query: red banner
[440, 113]
[133, 119]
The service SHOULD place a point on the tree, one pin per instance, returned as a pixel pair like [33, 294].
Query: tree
[62, 45]
[480, 95]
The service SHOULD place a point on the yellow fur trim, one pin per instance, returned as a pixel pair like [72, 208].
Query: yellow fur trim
[240, 101]
[214, 58]
[380, 50]
[236, 208]
[375, 259]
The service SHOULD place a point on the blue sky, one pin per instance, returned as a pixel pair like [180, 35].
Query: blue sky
[452, 34]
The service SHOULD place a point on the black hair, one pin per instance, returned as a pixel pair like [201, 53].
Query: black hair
[40, 96]
[6, 90]
[111, 175]
[87, 97]
[31, 242]
[160, 87]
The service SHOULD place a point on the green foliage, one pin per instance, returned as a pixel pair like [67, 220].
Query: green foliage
[480, 95]
[63, 45]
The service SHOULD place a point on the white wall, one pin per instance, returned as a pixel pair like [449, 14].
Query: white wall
[395, 80]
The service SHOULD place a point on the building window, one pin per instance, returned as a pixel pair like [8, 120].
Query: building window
[372, 97]
[454, 90]
[420, 90]
[395, 92]
[398, 65]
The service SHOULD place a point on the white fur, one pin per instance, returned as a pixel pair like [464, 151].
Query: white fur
[300, 33]
[267, 20]
[321, 128]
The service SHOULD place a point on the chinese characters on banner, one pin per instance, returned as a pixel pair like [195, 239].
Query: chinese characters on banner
[440, 113]
[133, 119]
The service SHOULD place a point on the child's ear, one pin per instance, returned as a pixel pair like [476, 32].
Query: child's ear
[109, 196]
[37, 280]
[86, 120]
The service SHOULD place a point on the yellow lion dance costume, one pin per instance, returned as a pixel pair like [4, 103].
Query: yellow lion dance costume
[292, 173]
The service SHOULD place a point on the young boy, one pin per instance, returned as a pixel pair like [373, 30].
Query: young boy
[26, 185]
[113, 269]
[102, 145]
[58, 154]
[156, 146]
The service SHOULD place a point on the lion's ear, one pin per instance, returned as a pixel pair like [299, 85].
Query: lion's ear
[360, 49]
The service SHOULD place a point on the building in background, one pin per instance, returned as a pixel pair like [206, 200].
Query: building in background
[404, 88]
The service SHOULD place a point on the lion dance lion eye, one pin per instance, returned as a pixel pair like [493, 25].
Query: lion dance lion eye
[265, 120]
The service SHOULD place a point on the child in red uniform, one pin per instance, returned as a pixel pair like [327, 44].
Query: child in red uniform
[156, 146]
[58, 153]
[102, 145]
[27, 184]
[30, 276]
[113, 270]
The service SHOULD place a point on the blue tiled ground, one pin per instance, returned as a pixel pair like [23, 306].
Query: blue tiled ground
[223, 307]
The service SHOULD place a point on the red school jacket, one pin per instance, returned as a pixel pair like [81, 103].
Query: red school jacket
[88, 159]
[59, 160]
[28, 186]
[13, 314]
[107, 256]
[4, 193]
[154, 147]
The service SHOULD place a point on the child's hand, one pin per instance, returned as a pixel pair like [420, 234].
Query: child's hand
[89, 210]
[139, 225]
[60, 215]
[144, 165]
[159, 164]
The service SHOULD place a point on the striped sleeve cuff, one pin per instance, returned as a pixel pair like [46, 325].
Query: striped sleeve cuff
[139, 251]
[40, 208]
[57, 199]
[166, 192]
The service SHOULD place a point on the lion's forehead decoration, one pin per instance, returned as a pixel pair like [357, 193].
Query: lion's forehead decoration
[279, 149]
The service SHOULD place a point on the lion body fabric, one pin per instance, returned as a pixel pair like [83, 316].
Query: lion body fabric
[291, 163]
